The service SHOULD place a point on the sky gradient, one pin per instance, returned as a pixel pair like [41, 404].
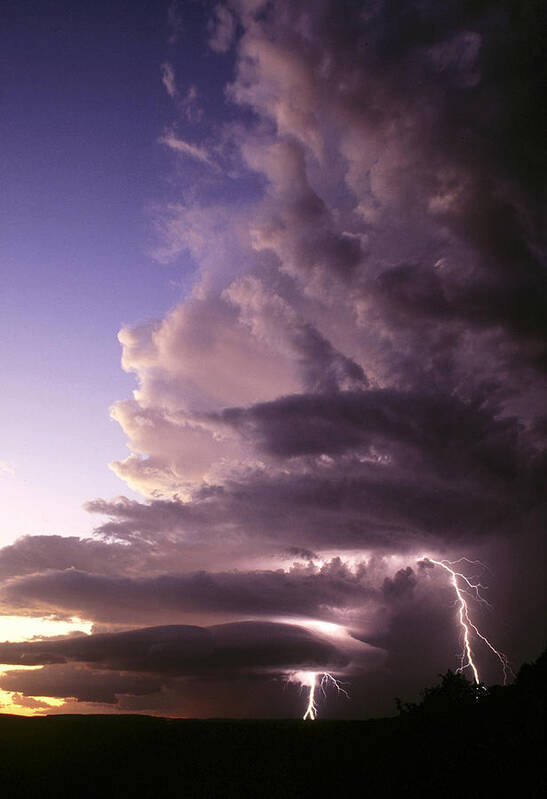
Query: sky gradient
[313, 233]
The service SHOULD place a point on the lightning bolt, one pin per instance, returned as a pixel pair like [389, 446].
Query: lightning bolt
[314, 680]
[311, 710]
[462, 586]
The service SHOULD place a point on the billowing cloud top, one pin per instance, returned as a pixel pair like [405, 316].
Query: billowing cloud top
[356, 377]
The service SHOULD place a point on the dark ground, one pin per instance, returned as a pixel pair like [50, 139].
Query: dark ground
[450, 745]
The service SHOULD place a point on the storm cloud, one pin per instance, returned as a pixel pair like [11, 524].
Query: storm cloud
[303, 590]
[99, 668]
[357, 374]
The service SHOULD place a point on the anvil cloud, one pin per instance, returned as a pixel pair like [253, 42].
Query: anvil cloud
[356, 377]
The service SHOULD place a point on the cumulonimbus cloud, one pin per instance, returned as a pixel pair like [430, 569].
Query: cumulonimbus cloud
[360, 364]
[191, 651]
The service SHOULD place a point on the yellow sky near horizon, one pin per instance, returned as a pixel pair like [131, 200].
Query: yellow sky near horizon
[25, 628]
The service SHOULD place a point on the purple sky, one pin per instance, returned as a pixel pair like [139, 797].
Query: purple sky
[312, 232]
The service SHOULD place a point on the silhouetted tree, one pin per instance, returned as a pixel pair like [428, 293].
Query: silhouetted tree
[454, 694]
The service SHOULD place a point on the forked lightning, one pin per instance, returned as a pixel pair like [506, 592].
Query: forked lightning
[463, 585]
[312, 680]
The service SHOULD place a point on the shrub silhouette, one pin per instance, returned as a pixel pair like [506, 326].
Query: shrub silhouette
[454, 695]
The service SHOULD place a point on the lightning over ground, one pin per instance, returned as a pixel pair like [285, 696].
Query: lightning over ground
[473, 589]
[313, 680]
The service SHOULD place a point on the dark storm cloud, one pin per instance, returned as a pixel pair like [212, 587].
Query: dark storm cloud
[150, 668]
[399, 241]
[301, 553]
[154, 551]
[458, 449]
[400, 586]
[447, 79]
[40, 553]
[301, 591]
[402, 158]
[184, 650]
[430, 425]
[383, 468]
[85, 684]
[427, 251]
[324, 368]
[433, 116]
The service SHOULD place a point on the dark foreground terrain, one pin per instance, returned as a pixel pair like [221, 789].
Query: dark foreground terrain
[452, 744]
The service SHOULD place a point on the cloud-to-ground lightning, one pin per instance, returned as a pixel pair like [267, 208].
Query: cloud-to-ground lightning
[313, 680]
[467, 660]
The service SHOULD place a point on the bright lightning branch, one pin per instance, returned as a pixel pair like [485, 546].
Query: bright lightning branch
[464, 586]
